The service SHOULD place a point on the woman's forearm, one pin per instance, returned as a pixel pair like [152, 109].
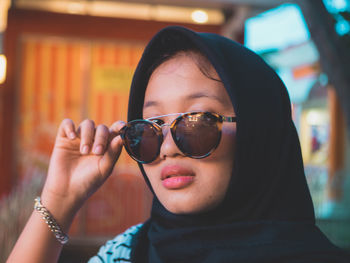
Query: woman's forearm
[75, 172]
[36, 242]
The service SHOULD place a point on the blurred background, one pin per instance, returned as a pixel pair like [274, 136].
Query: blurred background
[75, 59]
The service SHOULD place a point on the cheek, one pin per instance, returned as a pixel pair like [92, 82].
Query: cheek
[151, 170]
[225, 151]
[219, 165]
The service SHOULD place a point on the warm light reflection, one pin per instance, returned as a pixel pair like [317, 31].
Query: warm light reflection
[75, 8]
[125, 9]
[199, 16]
[2, 68]
[4, 6]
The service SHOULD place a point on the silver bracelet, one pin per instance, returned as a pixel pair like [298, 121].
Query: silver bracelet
[50, 221]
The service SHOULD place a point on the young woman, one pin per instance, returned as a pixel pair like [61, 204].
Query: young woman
[210, 126]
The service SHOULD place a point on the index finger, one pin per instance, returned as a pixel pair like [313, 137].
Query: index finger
[116, 127]
[67, 129]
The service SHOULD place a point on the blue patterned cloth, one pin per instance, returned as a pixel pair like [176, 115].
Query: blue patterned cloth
[117, 249]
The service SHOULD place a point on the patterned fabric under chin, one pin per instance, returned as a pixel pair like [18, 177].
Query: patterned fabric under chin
[117, 249]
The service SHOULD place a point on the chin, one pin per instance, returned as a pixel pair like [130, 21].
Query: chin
[187, 209]
[179, 209]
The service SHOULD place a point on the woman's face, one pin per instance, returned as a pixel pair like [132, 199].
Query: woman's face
[182, 184]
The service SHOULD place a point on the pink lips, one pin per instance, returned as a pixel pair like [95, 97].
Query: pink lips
[176, 177]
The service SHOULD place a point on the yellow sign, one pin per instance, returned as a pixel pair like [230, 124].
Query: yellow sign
[111, 78]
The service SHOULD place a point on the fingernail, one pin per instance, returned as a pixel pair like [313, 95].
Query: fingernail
[85, 149]
[98, 149]
[72, 135]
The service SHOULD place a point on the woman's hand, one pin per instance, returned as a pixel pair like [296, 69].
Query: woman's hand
[81, 161]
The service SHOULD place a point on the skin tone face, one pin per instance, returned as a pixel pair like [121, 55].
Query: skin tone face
[197, 185]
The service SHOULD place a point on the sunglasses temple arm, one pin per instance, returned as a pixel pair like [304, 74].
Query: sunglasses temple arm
[229, 119]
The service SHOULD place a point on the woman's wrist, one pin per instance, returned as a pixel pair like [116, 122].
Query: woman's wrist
[62, 209]
[50, 221]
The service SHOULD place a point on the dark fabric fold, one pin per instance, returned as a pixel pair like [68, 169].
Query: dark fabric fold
[267, 214]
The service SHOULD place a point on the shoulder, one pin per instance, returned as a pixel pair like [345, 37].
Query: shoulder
[117, 249]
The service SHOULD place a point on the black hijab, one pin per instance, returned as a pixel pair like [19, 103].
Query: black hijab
[267, 214]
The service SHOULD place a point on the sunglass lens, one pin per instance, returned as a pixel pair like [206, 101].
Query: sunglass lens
[197, 134]
[142, 141]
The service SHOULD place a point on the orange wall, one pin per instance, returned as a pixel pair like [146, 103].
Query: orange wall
[24, 22]
[78, 67]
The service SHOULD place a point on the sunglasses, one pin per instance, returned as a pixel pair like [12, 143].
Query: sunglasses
[196, 134]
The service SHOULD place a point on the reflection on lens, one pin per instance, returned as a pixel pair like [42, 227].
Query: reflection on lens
[142, 141]
[196, 135]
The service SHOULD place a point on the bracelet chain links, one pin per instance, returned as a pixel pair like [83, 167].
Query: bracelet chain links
[50, 221]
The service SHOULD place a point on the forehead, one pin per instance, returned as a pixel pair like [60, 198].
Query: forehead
[181, 81]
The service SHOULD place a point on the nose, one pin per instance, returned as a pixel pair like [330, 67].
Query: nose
[168, 147]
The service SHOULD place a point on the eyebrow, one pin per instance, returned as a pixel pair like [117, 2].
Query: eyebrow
[150, 103]
[198, 95]
[192, 96]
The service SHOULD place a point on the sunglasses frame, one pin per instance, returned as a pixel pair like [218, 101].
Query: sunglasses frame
[220, 119]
